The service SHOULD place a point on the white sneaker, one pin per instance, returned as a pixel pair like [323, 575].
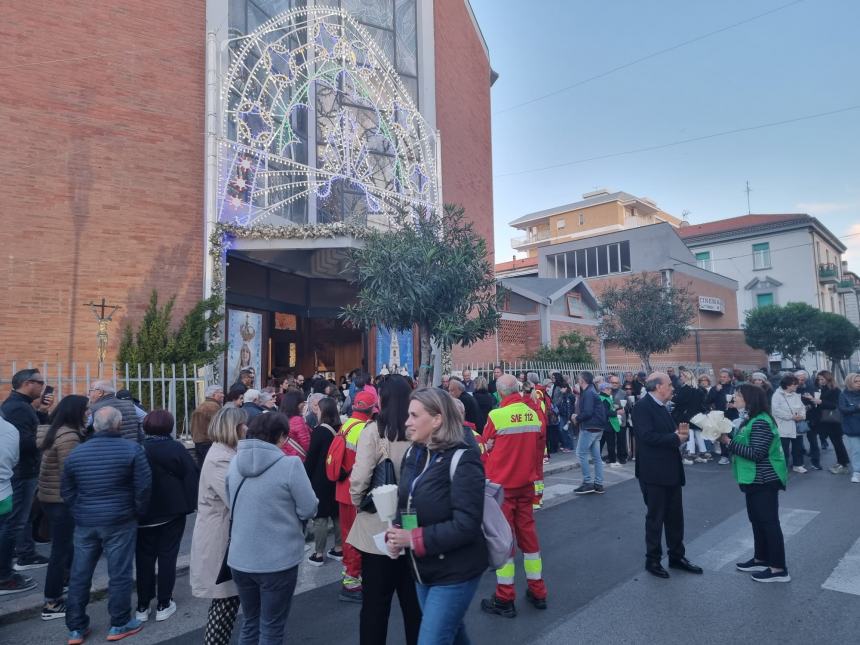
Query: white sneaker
[799, 469]
[724, 461]
[700, 460]
[166, 612]
[855, 478]
[687, 462]
[615, 464]
[142, 616]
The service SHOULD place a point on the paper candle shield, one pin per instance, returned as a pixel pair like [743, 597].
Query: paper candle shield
[385, 500]
[712, 424]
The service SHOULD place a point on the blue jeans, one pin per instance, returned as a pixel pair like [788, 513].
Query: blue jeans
[117, 543]
[564, 431]
[443, 608]
[16, 537]
[265, 599]
[589, 446]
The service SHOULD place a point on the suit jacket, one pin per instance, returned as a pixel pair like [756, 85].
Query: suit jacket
[658, 458]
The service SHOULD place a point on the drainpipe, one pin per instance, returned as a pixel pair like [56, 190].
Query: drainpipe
[211, 163]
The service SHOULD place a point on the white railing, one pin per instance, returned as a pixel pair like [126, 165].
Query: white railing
[546, 369]
[177, 388]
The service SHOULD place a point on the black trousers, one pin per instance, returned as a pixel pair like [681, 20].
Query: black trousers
[380, 578]
[157, 544]
[616, 445]
[833, 431]
[553, 438]
[763, 512]
[665, 512]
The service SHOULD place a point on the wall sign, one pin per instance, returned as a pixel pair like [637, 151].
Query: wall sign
[710, 303]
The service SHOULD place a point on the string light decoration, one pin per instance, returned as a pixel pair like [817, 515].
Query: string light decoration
[370, 155]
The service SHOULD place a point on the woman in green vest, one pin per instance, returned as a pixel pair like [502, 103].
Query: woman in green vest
[759, 467]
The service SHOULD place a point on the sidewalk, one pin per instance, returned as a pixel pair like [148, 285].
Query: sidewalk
[17, 607]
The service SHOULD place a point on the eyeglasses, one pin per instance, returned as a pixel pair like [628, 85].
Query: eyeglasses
[628, 389]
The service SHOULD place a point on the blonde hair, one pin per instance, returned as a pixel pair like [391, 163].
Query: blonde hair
[851, 382]
[438, 402]
[687, 377]
[224, 427]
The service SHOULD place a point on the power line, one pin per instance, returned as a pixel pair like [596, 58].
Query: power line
[654, 54]
[679, 142]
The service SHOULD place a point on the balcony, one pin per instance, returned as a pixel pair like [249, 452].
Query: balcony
[828, 274]
[531, 238]
[847, 285]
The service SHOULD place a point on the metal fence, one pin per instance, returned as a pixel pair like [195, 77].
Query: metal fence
[546, 369]
[177, 388]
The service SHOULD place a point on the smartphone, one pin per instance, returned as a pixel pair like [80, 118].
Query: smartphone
[49, 389]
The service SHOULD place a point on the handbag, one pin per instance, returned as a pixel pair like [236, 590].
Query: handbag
[224, 573]
[831, 416]
[383, 473]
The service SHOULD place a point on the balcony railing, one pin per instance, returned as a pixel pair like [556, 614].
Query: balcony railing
[828, 273]
[531, 238]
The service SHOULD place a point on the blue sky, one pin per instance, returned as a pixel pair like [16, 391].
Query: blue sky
[799, 60]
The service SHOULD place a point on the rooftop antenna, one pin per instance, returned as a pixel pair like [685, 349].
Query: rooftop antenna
[748, 191]
[685, 215]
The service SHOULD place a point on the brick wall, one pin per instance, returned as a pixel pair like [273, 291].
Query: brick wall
[463, 115]
[103, 167]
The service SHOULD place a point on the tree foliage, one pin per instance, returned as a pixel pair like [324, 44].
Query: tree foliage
[644, 316]
[784, 330]
[432, 272]
[836, 336]
[571, 348]
[156, 341]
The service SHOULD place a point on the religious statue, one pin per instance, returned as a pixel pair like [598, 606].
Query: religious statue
[102, 336]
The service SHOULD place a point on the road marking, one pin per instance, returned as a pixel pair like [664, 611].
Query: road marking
[732, 540]
[846, 575]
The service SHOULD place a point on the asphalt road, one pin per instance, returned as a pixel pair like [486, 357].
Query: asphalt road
[599, 593]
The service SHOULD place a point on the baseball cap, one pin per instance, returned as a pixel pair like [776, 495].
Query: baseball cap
[364, 402]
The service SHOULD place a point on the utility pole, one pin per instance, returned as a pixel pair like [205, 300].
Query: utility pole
[748, 191]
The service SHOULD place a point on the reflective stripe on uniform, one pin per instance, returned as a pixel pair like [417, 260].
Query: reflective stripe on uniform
[533, 565]
[517, 430]
[505, 575]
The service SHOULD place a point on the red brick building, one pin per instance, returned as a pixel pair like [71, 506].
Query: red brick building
[119, 131]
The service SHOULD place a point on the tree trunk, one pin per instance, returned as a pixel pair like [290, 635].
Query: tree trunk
[425, 371]
[646, 361]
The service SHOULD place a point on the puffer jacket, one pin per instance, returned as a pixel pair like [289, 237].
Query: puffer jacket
[130, 427]
[849, 406]
[53, 459]
[106, 481]
[18, 410]
[300, 433]
[174, 480]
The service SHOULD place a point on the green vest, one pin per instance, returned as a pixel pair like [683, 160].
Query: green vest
[744, 469]
[609, 402]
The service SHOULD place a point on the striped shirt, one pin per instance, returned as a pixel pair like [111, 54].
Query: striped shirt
[758, 451]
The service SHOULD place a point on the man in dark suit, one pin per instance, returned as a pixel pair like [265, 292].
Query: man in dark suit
[661, 475]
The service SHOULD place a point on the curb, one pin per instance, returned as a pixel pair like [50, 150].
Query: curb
[30, 605]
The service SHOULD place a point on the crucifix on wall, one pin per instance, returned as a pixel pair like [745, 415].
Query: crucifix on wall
[99, 310]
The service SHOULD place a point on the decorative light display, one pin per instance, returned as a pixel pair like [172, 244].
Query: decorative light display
[315, 113]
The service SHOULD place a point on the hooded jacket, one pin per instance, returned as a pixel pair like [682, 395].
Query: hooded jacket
[18, 410]
[8, 456]
[270, 510]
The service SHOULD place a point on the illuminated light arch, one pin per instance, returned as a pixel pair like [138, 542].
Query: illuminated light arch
[375, 153]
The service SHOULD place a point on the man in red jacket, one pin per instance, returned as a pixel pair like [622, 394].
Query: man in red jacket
[362, 411]
[513, 436]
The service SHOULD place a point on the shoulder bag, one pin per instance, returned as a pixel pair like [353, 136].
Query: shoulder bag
[225, 574]
[801, 427]
[831, 416]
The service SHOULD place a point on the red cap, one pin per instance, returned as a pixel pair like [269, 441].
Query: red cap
[364, 401]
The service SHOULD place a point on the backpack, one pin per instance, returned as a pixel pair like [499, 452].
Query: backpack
[497, 531]
[334, 469]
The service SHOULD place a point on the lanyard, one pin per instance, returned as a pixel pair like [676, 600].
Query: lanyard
[415, 481]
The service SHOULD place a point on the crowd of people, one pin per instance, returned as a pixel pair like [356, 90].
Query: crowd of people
[111, 478]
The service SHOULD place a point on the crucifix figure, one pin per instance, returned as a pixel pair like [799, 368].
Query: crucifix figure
[98, 310]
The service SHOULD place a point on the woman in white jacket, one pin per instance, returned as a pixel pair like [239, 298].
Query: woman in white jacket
[787, 408]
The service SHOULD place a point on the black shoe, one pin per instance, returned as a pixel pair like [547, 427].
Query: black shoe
[598, 488]
[33, 562]
[656, 569]
[495, 606]
[539, 603]
[51, 611]
[751, 566]
[350, 595]
[685, 565]
[585, 489]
